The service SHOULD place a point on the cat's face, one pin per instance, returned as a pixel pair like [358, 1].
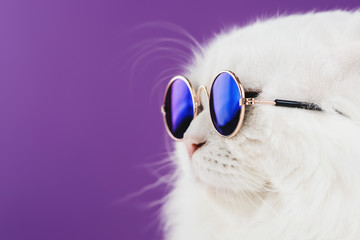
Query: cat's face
[296, 58]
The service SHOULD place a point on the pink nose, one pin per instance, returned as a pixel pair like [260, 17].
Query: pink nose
[192, 144]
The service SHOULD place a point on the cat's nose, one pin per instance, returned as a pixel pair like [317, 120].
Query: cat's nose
[192, 144]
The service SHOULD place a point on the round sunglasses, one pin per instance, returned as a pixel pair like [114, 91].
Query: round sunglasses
[227, 102]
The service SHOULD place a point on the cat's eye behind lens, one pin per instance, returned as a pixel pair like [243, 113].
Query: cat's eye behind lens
[225, 109]
[179, 106]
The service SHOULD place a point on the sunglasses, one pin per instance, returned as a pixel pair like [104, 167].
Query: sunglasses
[227, 102]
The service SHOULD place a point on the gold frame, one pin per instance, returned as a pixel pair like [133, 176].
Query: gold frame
[241, 104]
[192, 92]
[197, 103]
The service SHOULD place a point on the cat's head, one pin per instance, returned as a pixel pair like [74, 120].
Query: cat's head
[312, 58]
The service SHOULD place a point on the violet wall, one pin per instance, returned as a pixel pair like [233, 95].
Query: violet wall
[79, 109]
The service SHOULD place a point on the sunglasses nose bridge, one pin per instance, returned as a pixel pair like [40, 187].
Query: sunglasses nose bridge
[199, 106]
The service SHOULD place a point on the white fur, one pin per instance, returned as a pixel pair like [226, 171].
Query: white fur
[288, 173]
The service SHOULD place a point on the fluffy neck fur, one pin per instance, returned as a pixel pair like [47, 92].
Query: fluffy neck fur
[289, 173]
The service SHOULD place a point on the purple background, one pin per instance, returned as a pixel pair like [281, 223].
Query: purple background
[77, 125]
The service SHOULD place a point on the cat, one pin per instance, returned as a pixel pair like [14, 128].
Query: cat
[289, 173]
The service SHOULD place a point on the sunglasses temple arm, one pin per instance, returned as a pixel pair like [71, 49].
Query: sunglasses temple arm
[295, 104]
[284, 103]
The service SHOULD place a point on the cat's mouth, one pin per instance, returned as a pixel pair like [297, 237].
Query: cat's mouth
[219, 168]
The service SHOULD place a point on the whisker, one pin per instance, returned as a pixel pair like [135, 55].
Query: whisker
[171, 27]
[268, 206]
[140, 192]
[260, 184]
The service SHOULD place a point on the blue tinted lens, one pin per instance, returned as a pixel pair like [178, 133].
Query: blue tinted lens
[224, 103]
[179, 108]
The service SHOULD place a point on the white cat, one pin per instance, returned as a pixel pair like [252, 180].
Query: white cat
[289, 173]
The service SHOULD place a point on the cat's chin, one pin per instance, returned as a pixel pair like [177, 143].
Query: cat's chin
[228, 192]
[240, 201]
